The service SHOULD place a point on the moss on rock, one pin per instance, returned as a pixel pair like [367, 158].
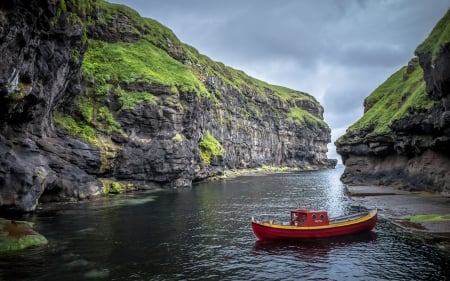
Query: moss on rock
[113, 187]
[428, 218]
[300, 116]
[18, 235]
[209, 147]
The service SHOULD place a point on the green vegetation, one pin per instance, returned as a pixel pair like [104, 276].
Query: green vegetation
[397, 97]
[300, 116]
[239, 80]
[156, 58]
[62, 6]
[111, 63]
[209, 147]
[81, 7]
[92, 118]
[114, 187]
[18, 235]
[76, 128]
[438, 38]
[130, 100]
[248, 86]
[427, 218]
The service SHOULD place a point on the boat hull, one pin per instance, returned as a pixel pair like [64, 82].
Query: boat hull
[266, 231]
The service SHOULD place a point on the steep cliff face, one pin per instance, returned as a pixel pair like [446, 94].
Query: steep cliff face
[96, 99]
[403, 139]
[40, 52]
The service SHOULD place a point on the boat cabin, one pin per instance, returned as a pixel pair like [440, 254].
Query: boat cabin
[303, 217]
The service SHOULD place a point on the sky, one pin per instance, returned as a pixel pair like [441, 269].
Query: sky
[339, 51]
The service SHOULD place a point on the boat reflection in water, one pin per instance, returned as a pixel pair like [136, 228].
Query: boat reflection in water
[312, 250]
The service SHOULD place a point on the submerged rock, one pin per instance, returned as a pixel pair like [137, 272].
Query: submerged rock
[18, 235]
[97, 273]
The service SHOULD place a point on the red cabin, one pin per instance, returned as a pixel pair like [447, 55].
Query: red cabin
[303, 217]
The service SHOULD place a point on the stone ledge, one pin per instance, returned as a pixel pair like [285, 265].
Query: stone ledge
[397, 205]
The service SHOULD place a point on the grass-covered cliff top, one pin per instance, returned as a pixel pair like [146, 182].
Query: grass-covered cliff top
[400, 95]
[153, 55]
[438, 38]
[403, 93]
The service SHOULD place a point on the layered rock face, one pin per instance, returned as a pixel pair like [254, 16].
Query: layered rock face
[96, 99]
[40, 70]
[403, 139]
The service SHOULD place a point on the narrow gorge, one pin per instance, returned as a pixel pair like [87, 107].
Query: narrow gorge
[403, 139]
[96, 99]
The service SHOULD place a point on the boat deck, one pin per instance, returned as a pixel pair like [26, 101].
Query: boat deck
[348, 217]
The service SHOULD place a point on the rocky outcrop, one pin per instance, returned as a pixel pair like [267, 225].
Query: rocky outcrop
[413, 151]
[95, 98]
[18, 235]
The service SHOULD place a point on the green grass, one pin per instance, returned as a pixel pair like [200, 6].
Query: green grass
[246, 86]
[111, 63]
[81, 7]
[393, 100]
[76, 128]
[438, 38]
[427, 218]
[157, 58]
[239, 80]
[130, 100]
[98, 116]
[92, 118]
[300, 116]
[209, 147]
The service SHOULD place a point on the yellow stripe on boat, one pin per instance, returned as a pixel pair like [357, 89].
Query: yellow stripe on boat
[367, 217]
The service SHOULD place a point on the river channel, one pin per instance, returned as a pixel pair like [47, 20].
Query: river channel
[204, 233]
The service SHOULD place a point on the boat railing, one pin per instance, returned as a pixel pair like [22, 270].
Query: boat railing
[348, 217]
[269, 221]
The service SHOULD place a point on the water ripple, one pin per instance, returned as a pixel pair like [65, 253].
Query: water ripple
[204, 233]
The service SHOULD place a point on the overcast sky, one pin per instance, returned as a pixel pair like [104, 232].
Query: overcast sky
[339, 51]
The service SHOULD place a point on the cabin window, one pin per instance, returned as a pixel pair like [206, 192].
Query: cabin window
[314, 216]
[321, 217]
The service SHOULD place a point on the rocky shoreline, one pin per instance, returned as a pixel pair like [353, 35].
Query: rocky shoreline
[422, 213]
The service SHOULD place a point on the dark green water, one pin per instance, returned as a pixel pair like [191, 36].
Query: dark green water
[203, 233]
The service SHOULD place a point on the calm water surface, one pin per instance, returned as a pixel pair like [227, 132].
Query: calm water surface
[203, 233]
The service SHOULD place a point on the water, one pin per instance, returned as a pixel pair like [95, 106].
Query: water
[204, 233]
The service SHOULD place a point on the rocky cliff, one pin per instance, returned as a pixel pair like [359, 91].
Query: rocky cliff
[403, 139]
[95, 99]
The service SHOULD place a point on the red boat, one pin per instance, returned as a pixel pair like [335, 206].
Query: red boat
[308, 224]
